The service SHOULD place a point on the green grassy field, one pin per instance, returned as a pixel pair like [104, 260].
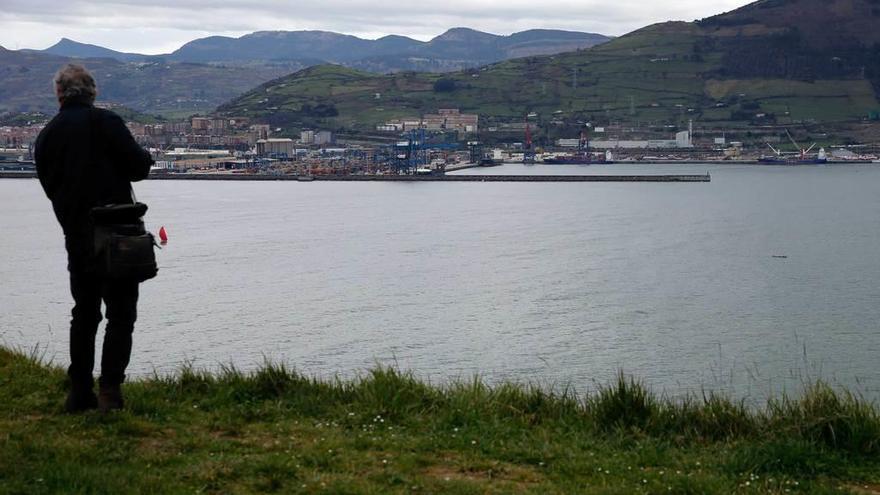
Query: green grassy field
[277, 431]
[664, 74]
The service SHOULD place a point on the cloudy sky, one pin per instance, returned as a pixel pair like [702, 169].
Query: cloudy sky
[161, 26]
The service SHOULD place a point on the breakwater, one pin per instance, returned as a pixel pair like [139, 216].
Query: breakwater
[520, 178]
[413, 178]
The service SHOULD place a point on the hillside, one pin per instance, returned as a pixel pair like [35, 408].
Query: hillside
[153, 87]
[756, 65]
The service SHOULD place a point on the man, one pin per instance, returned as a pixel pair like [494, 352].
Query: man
[86, 157]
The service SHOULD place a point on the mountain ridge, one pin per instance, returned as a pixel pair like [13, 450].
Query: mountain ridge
[69, 48]
[172, 85]
[456, 48]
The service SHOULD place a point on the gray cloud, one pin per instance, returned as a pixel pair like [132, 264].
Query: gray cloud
[163, 25]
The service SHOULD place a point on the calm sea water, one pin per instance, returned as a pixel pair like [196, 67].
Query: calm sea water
[559, 284]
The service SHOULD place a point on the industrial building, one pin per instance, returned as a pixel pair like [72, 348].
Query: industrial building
[682, 140]
[320, 138]
[324, 137]
[451, 119]
[276, 147]
[446, 119]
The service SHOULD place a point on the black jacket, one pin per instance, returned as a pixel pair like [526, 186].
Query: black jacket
[86, 157]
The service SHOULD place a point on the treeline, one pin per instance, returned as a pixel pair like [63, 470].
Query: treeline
[785, 56]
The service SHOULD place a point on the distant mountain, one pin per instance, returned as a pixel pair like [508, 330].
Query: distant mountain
[786, 62]
[207, 72]
[455, 49]
[74, 49]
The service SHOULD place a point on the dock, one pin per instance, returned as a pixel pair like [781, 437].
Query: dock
[409, 178]
[518, 178]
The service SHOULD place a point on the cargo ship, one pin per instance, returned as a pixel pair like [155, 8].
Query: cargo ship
[584, 155]
[801, 158]
[582, 158]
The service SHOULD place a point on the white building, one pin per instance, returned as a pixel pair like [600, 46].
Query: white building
[682, 140]
[323, 137]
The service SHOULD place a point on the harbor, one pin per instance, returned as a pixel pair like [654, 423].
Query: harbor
[410, 178]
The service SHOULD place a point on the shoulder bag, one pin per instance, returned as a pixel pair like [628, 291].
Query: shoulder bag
[124, 248]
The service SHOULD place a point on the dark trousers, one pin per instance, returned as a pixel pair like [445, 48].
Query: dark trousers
[120, 299]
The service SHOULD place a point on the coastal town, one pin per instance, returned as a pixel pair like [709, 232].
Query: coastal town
[445, 140]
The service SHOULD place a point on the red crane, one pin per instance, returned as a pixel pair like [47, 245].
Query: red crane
[528, 151]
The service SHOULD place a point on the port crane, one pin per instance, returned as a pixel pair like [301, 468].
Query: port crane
[797, 146]
[800, 156]
[528, 149]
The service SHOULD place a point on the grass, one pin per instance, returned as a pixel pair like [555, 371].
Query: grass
[276, 430]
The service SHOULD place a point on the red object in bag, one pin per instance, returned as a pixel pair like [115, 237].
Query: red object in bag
[163, 236]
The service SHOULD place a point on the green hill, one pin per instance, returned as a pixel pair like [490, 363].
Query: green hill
[154, 87]
[769, 62]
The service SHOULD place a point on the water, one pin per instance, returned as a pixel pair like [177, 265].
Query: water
[559, 284]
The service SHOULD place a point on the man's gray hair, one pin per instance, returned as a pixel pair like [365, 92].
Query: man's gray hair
[74, 81]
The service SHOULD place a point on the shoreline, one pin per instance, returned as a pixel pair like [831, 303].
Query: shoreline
[409, 178]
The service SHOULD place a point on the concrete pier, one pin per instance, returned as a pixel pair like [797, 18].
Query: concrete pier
[411, 178]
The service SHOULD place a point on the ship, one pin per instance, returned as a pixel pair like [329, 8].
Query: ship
[820, 159]
[492, 159]
[583, 156]
[801, 158]
[771, 160]
[579, 159]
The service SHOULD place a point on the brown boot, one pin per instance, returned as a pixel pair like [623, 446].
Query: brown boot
[110, 398]
[80, 399]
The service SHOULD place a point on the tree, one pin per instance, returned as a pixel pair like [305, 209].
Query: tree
[444, 86]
